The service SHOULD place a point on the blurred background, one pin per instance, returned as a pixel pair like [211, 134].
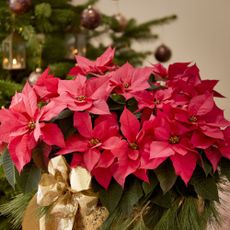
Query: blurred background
[201, 34]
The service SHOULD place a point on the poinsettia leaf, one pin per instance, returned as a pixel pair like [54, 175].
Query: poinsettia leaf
[166, 176]
[118, 98]
[111, 197]
[163, 200]
[149, 187]
[224, 167]
[64, 114]
[29, 178]
[8, 168]
[131, 195]
[205, 163]
[204, 186]
[140, 225]
[132, 104]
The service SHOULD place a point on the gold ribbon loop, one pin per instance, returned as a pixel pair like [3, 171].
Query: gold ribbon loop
[68, 192]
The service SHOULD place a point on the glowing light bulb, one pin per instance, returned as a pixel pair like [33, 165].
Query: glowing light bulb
[15, 61]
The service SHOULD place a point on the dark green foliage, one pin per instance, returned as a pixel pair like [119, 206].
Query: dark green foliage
[111, 198]
[131, 195]
[7, 89]
[8, 168]
[14, 210]
[29, 178]
[205, 187]
[45, 26]
[165, 203]
[166, 176]
[224, 167]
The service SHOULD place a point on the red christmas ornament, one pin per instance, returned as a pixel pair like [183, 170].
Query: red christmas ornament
[163, 53]
[121, 23]
[90, 18]
[19, 6]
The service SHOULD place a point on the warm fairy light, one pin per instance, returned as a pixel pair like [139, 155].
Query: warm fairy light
[14, 61]
[5, 61]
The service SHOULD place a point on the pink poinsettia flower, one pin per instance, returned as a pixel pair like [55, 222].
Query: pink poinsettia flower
[81, 94]
[102, 64]
[95, 144]
[154, 100]
[221, 148]
[208, 86]
[159, 71]
[46, 87]
[22, 127]
[182, 72]
[130, 151]
[172, 140]
[128, 80]
[206, 120]
[184, 165]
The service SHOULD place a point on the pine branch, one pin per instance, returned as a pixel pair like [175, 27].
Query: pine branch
[8, 88]
[15, 209]
[160, 21]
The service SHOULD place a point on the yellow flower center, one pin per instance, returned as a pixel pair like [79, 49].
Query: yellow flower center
[174, 140]
[133, 146]
[31, 125]
[156, 101]
[193, 119]
[81, 98]
[94, 141]
[126, 85]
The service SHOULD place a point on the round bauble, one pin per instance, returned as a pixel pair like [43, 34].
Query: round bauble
[33, 77]
[19, 6]
[90, 18]
[163, 53]
[121, 23]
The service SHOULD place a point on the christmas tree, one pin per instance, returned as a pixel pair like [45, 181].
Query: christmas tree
[52, 32]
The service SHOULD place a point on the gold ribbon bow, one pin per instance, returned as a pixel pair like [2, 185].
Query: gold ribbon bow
[67, 192]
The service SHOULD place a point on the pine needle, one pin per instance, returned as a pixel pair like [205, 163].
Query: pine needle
[9, 88]
[15, 209]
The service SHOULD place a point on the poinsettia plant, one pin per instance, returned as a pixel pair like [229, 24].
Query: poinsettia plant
[152, 138]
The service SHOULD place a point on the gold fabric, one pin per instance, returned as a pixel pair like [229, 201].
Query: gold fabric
[68, 193]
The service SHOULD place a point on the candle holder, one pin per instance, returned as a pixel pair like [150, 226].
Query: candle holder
[14, 52]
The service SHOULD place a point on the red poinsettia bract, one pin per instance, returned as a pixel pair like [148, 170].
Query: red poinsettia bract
[175, 120]
[24, 124]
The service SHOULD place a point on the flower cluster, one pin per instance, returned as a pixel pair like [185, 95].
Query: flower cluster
[117, 121]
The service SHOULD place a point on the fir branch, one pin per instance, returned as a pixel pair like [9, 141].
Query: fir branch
[8, 88]
[15, 209]
[160, 21]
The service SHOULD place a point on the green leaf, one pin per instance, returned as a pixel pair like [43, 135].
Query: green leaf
[225, 167]
[29, 178]
[205, 163]
[204, 186]
[111, 197]
[163, 200]
[132, 104]
[131, 195]
[14, 210]
[166, 176]
[43, 10]
[118, 98]
[140, 225]
[149, 187]
[207, 167]
[8, 168]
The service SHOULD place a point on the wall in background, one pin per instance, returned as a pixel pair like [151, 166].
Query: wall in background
[201, 34]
